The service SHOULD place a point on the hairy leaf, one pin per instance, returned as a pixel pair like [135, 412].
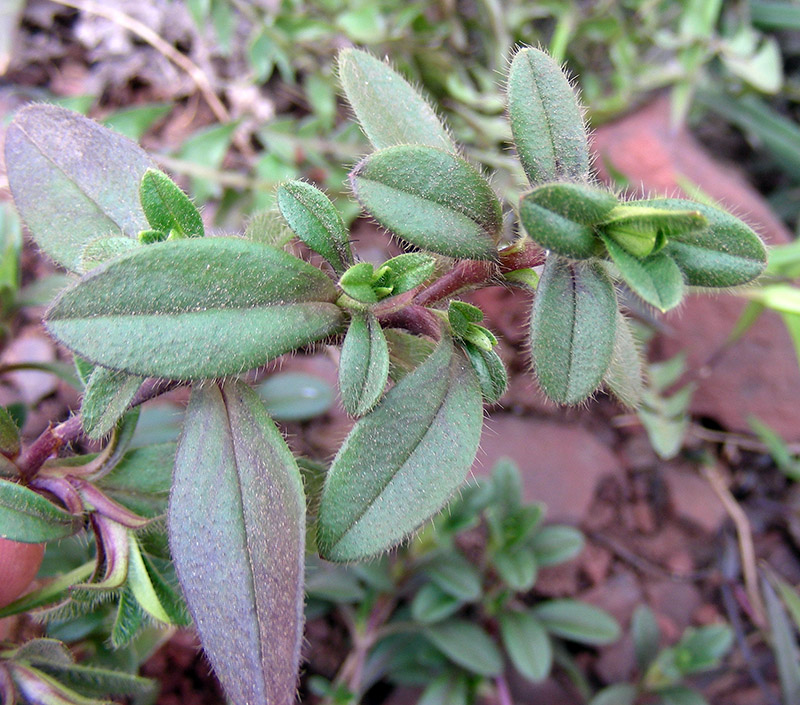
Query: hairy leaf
[407, 271]
[237, 534]
[103, 249]
[546, 120]
[315, 220]
[572, 329]
[725, 253]
[28, 517]
[527, 643]
[558, 233]
[73, 180]
[574, 201]
[656, 278]
[35, 686]
[106, 399]
[167, 208]
[489, 370]
[402, 461]
[390, 111]
[624, 376]
[188, 309]
[364, 364]
[455, 575]
[431, 198]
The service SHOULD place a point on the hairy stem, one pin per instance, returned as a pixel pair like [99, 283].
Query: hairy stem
[55, 437]
[473, 273]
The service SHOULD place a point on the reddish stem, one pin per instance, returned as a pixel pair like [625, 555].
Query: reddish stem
[415, 319]
[470, 273]
[55, 437]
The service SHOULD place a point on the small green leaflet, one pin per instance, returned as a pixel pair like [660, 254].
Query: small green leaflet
[572, 332]
[107, 397]
[402, 461]
[167, 208]
[315, 220]
[364, 364]
[527, 643]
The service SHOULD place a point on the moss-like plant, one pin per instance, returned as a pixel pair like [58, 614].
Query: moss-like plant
[156, 302]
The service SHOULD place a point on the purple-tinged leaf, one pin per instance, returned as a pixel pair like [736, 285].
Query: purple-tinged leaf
[237, 533]
[73, 180]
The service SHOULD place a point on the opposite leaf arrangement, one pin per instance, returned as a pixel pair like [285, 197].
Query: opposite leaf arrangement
[159, 303]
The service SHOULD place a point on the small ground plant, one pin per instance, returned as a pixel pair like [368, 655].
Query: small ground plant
[158, 303]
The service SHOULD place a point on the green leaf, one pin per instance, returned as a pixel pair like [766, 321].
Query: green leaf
[490, 371]
[237, 487]
[408, 271]
[517, 567]
[107, 397]
[467, 645]
[431, 198]
[432, 604]
[73, 180]
[406, 352]
[624, 376]
[135, 122]
[725, 253]
[269, 228]
[403, 461]
[390, 111]
[578, 621]
[141, 480]
[784, 645]
[656, 278]
[527, 644]
[203, 307]
[364, 364]
[557, 233]
[358, 283]
[9, 435]
[619, 694]
[577, 202]
[151, 589]
[28, 517]
[556, 544]
[450, 688]
[37, 687]
[646, 636]
[128, 621]
[167, 208]
[53, 658]
[315, 220]
[572, 331]
[296, 396]
[681, 695]
[546, 120]
[455, 575]
[642, 230]
[103, 249]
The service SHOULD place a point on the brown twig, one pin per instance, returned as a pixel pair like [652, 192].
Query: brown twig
[521, 255]
[54, 438]
[144, 32]
[744, 537]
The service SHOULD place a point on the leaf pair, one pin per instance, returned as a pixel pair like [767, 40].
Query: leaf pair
[416, 185]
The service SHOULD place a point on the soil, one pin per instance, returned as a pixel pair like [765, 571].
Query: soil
[657, 532]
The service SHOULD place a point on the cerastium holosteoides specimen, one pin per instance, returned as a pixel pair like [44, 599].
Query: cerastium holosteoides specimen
[156, 302]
